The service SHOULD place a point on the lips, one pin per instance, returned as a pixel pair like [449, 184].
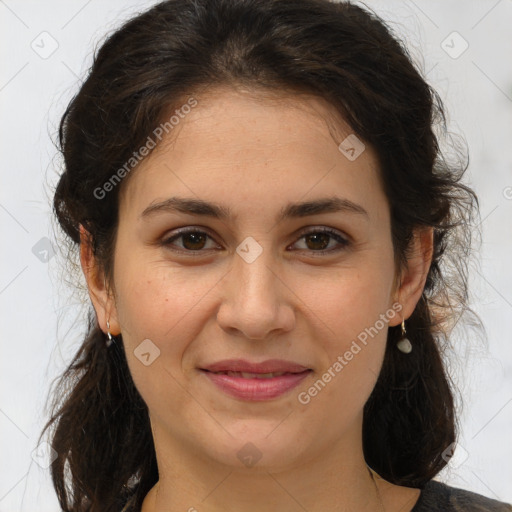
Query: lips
[276, 366]
[249, 381]
[250, 375]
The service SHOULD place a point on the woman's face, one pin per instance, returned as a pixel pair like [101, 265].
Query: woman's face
[254, 285]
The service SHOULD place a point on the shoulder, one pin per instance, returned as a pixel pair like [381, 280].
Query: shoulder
[437, 496]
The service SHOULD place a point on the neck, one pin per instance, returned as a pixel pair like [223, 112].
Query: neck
[338, 479]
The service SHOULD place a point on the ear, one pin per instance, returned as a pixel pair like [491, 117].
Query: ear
[411, 281]
[103, 303]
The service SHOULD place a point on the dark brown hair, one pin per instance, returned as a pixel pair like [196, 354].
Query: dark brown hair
[337, 51]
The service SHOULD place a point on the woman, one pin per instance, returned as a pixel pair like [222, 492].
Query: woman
[266, 226]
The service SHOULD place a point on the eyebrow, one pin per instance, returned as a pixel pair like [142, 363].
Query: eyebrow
[194, 206]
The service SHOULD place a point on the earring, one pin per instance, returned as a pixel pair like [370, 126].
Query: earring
[404, 345]
[109, 340]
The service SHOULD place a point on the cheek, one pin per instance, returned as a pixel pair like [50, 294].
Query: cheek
[154, 308]
[349, 301]
[155, 299]
[167, 306]
[352, 341]
[353, 314]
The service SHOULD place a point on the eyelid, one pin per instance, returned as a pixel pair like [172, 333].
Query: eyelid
[325, 229]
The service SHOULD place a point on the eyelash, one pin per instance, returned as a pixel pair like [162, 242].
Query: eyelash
[344, 243]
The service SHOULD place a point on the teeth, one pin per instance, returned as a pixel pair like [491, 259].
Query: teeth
[248, 375]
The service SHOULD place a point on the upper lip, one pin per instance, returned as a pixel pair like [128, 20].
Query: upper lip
[268, 366]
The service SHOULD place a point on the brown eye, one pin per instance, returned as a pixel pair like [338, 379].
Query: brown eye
[318, 241]
[192, 241]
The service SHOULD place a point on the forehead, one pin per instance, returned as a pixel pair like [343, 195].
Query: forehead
[258, 144]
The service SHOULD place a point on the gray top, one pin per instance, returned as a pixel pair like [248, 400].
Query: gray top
[438, 497]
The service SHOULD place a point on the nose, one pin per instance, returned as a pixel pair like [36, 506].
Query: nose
[256, 301]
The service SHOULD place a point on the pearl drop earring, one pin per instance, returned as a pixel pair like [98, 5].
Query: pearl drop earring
[109, 340]
[404, 345]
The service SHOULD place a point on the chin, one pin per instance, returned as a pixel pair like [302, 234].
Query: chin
[257, 445]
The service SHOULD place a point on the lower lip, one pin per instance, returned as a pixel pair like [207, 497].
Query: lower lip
[256, 389]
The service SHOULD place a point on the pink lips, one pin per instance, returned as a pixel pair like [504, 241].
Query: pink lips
[255, 387]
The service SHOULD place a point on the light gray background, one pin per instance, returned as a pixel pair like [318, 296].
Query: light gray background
[40, 327]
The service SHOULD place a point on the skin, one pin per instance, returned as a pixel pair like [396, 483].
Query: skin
[255, 153]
